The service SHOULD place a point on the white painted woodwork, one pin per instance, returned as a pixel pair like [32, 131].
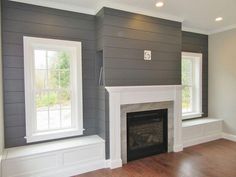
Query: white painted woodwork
[201, 131]
[62, 158]
[141, 94]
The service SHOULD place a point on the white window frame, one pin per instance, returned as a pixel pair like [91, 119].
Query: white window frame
[197, 86]
[30, 44]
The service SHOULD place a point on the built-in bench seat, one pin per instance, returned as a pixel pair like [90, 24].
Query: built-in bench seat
[59, 158]
[202, 130]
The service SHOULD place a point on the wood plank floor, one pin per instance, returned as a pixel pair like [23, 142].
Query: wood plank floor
[214, 159]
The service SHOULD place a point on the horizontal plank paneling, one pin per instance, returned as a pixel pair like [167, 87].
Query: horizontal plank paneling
[140, 25]
[140, 35]
[125, 37]
[28, 20]
[140, 44]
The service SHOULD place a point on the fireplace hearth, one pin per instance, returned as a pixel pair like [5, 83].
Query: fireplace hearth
[147, 133]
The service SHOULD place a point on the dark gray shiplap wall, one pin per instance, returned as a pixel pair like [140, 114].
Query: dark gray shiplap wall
[126, 35]
[21, 19]
[123, 37]
[193, 42]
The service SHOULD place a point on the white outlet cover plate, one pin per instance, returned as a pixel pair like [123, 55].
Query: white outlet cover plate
[147, 54]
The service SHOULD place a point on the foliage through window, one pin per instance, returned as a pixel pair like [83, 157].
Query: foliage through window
[53, 77]
[191, 85]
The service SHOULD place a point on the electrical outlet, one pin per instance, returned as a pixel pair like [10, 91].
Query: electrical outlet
[147, 55]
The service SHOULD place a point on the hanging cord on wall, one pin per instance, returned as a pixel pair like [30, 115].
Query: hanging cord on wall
[100, 82]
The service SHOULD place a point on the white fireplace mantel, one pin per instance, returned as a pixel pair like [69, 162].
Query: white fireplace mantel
[141, 94]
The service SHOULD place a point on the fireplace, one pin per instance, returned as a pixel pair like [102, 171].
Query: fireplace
[147, 133]
[127, 99]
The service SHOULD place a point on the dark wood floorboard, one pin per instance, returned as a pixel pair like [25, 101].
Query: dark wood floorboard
[214, 159]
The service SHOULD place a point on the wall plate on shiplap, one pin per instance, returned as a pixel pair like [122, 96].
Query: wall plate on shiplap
[147, 55]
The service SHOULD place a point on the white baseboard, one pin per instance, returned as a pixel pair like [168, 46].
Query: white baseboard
[230, 137]
[178, 148]
[112, 164]
[201, 140]
[0, 165]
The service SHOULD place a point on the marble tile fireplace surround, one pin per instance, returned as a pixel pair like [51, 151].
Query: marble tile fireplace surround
[142, 98]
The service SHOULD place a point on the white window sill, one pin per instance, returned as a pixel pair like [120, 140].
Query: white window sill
[200, 121]
[191, 116]
[36, 137]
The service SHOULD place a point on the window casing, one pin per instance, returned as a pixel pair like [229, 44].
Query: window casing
[191, 85]
[53, 89]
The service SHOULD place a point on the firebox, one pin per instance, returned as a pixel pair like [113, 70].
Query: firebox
[147, 133]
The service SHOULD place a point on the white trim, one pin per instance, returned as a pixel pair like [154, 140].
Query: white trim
[58, 5]
[202, 130]
[99, 6]
[227, 28]
[228, 136]
[104, 3]
[1, 164]
[142, 11]
[30, 43]
[196, 59]
[195, 30]
[60, 158]
[191, 116]
[201, 140]
[141, 94]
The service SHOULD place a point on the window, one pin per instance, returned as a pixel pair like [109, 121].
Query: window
[191, 85]
[53, 89]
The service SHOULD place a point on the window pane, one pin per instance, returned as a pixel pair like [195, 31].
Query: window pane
[187, 74]
[64, 78]
[42, 120]
[40, 59]
[53, 79]
[64, 99]
[54, 118]
[66, 118]
[52, 84]
[58, 60]
[52, 59]
[187, 99]
[42, 110]
[40, 79]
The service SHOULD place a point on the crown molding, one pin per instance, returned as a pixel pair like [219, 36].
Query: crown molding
[227, 28]
[142, 11]
[57, 5]
[195, 30]
[100, 5]
[118, 6]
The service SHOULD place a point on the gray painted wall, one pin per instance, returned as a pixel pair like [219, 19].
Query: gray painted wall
[121, 36]
[193, 42]
[21, 19]
[124, 36]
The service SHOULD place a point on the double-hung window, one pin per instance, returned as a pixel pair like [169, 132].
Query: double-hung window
[53, 89]
[191, 85]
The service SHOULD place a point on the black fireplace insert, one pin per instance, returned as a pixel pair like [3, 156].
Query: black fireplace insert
[147, 133]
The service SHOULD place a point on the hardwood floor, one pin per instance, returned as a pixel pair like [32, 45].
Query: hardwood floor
[214, 159]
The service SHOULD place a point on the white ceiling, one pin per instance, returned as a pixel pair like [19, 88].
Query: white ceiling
[196, 15]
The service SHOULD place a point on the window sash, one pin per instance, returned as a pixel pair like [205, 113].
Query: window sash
[31, 44]
[195, 85]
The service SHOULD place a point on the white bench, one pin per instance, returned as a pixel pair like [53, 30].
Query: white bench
[61, 158]
[201, 130]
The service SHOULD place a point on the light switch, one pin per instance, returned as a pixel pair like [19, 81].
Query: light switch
[147, 54]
